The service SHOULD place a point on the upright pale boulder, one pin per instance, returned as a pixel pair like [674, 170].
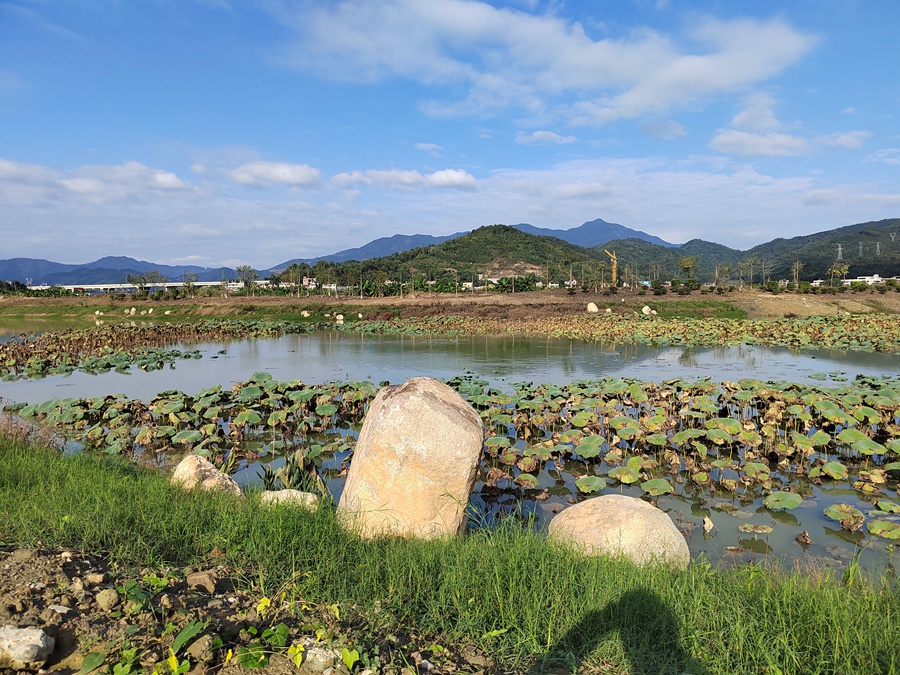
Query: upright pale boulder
[415, 463]
[194, 470]
[618, 525]
[592, 308]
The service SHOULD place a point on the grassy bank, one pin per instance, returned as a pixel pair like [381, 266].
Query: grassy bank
[504, 592]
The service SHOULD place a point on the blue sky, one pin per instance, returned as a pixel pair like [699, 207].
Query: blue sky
[235, 132]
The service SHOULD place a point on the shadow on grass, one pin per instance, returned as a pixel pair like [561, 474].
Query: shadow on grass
[648, 630]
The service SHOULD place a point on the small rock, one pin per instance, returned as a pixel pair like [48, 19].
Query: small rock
[645, 310]
[592, 308]
[26, 645]
[306, 500]
[608, 310]
[195, 471]
[77, 586]
[204, 580]
[94, 578]
[60, 609]
[107, 599]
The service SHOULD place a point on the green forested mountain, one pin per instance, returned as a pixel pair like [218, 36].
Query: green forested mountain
[650, 261]
[867, 248]
[492, 251]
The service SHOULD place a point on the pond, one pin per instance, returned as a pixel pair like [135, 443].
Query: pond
[743, 528]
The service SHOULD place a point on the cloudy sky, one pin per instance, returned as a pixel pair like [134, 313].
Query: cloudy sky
[254, 131]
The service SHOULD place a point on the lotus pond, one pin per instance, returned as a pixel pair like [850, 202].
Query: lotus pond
[751, 467]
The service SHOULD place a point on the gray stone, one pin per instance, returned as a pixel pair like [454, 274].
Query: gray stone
[202, 580]
[26, 645]
[414, 464]
[618, 525]
[195, 471]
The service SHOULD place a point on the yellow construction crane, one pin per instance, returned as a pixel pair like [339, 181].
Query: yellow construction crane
[615, 266]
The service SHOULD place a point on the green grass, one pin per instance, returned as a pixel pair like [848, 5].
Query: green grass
[697, 309]
[506, 590]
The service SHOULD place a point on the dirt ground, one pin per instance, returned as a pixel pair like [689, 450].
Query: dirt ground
[757, 304]
[89, 608]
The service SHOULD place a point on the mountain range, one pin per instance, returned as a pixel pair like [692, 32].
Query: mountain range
[867, 248]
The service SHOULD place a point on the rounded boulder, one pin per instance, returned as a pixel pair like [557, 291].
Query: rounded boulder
[618, 525]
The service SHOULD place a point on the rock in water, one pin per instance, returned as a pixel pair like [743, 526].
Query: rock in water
[618, 525]
[415, 463]
[195, 470]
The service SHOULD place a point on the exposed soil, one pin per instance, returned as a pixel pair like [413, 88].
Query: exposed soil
[88, 607]
[757, 304]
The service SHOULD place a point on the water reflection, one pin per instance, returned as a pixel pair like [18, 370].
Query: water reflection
[334, 355]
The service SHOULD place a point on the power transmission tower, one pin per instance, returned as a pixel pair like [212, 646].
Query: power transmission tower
[840, 255]
[877, 248]
[860, 250]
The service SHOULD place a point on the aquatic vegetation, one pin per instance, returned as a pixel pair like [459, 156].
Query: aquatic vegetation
[724, 446]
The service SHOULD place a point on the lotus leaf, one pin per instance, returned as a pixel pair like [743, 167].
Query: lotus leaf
[590, 484]
[889, 507]
[867, 414]
[188, 436]
[867, 446]
[756, 470]
[498, 442]
[629, 432]
[820, 438]
[884, 528]
[849, 516]
[718, 436]
[835, 469]
[248, 416]
[326, 409]
[851, 435]
[590, 446]
[657, 486]
[526, 480]
[624, 474]
[783, 500]
[581, 419]
[657, 439]
[755, 529]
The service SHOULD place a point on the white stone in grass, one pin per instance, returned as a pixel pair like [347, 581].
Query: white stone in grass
[592, 308]
[646, 310]
[415, 463]
[618, 525]
[305, 500]
[194, 470]
[25, 646]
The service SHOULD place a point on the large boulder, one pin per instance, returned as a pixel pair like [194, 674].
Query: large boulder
[618, 525]
[194, 471]
[415, 463]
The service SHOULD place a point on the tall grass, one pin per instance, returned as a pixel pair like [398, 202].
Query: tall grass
[505, 589]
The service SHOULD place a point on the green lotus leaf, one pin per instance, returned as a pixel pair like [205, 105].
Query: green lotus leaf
[498, 442]
[326, 409]
[867, 446]
[755, 529]
[590, 446]
[718, 436]
[884, 528]
[820, 438]
[865, 413]
[628, 432]
[835, 469]
[657, 486]
[588, 484]
[845, 513]
[188, 436]
[783, 500]
[851, 435]
[249, 394]
[581, 419]
[248, 416]
[624, 474]
[756, 470]
[526, 480]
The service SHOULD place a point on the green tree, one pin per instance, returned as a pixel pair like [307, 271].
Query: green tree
[247, 276]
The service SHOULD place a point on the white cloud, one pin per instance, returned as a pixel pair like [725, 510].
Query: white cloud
[504, 58]
[447, 178]
[544, 137]
[667, 130]
[734, 142]
[886, 156]
[263, 173]
[428, 147]
[756, 131]
[849, 111]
